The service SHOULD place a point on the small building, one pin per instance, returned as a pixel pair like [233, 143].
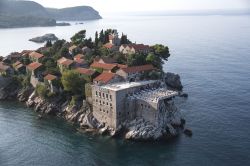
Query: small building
[14, 56]
[100, 67]
[79, 56]
[65, 64]
[106, 60]
[36, 57]
[50, 82]
[111, 47]
[72, 49]
[114, 38]
[5, 70]
[80, 63]
[86, 50]
[35, 69]
[114, 104]
[134, 48]
[19, 67]
[87, 74]
[134, 72]
[107, 78]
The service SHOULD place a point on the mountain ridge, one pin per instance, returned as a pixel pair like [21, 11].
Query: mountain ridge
[28, 13]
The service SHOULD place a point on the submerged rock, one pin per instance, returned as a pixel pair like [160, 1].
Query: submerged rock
[44, 38]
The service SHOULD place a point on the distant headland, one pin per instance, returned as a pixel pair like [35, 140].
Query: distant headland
[15, 14]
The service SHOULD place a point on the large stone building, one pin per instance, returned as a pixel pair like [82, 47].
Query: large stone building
[116, 103]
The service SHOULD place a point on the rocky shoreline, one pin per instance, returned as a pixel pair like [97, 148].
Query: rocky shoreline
[81, 114]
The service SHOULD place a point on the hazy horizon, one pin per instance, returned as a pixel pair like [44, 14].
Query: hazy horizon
[114, 6]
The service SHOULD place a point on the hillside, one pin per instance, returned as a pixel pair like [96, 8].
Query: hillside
[29, 13]
[78, 13]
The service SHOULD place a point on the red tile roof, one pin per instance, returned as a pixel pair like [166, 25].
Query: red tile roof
[16, 63]
[138, 47]
[34, 65]
[105, 77]
[107, 60]
[79, 56]
[135, 69]
[3, 67]
[108, 45]
[103, 65]
[64, 61]
[79, 61]
[19, 66]
[50, 77]
[36, 55]
[85, 71]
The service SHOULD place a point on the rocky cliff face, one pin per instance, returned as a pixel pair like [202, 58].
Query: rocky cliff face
[173, 81]
[169, 123]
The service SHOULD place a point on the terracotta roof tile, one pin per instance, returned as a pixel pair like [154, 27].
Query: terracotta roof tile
[65, 61]
[134, 69]
[36, 55]
[105, 77]
[108, 45]
[85, 71]
[3, 67]
[34, 65]
[16, 63]
[79, 56]
[103, 65]
[50, 77]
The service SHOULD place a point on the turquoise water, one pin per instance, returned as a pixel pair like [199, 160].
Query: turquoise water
[212, 55]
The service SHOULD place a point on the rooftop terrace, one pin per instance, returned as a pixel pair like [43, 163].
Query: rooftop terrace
[126, 85]
[154, 95]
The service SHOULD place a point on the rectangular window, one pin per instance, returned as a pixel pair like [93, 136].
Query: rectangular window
[103, 95]
[110, 97]
[107, 96]
[110, 104]
[107, 103]
[99, 94]
[96, 93]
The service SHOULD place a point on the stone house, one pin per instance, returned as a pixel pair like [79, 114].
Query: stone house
[134, 72]
[5, 70]
[35, 69]
[107, 78]
[114, 38]
[65, 64]
[100, 67]
[36, 57]
[50, 82]
[111, 47]
[72, 49]
[134, 48]
[80, 63]
[87, 74]
[19, 67]
[114, 104]
[86, 50]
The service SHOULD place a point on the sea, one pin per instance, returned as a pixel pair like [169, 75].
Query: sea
[212, 56]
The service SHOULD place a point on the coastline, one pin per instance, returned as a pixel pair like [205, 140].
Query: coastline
[81, 115]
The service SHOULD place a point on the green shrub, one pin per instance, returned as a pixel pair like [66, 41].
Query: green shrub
[41, 91]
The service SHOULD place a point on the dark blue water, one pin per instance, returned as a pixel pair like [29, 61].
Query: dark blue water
[212, 55]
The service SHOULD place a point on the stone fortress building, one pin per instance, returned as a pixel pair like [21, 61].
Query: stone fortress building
[116, 103]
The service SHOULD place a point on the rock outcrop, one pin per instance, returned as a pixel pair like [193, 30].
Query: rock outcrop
[44, 38]
[173, 81]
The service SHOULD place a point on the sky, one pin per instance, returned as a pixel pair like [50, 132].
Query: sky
[109, 6]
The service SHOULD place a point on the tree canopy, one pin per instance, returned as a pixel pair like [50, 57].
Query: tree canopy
[72, 82]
